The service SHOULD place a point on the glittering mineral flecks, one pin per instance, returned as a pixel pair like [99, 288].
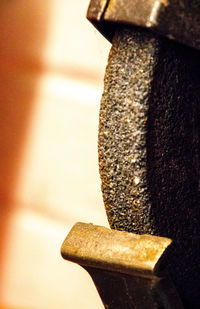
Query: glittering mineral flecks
[149, 136]
[149, 147]
[122, 134]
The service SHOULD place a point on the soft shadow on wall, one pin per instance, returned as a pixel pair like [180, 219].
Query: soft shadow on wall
[23, 30]
[52, 65]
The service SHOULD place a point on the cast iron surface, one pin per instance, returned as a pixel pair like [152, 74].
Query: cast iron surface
[175, 19]
[122, 291]
[149, 144]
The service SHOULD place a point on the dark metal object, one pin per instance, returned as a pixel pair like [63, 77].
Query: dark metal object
[149, 137]
[175, 19]
[149, 133]
[149, 158]
[125, 267]
[120, 291]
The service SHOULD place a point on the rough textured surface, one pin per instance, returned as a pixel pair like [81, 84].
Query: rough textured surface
[122, 132]
[149, 136]
[149, 147]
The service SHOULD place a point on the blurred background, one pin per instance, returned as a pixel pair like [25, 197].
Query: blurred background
[52, 63]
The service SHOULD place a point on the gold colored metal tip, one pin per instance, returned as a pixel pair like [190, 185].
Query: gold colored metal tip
[100, 247]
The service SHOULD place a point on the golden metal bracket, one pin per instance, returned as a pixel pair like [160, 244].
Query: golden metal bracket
[126, 268]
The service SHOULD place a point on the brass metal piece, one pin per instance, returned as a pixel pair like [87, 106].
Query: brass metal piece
[125, 267]
[175, 19]
[128, 253]
[143, 12]
[96, 9]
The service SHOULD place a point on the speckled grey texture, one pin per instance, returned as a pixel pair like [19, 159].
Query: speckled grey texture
[149, 136]
[122, 134]
[149, 148]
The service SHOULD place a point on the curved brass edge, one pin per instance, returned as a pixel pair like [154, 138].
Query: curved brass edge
[100, 247]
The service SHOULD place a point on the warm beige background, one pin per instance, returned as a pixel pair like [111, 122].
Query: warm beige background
[52, 63]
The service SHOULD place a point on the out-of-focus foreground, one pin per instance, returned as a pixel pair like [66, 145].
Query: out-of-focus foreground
[52, 64]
